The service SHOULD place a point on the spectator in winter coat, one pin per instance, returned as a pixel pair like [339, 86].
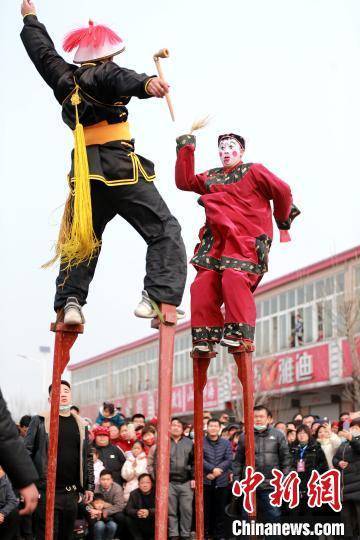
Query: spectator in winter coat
[107, 413]
[9, 516]
[347, 460]
[138, 419]
[271, 452]
[291, 437]
[306, 456]
[112, 457]
[134, 466]
[328, 441]
[140, 510]
[217, 466]
[24, 425]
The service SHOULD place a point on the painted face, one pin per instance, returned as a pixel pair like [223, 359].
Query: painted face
[230, 152]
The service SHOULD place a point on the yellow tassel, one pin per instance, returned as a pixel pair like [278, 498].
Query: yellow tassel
[77, 241]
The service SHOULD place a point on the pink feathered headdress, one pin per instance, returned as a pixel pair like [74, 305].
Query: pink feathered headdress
[95, 42]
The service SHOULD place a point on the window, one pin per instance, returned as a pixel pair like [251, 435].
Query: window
[329, 286]
[274, 334]
[282, 301]
[266, 337]
[292, 329]
[309, 292]
[274, 304]
[340, 282]
[319, 288]
[258, 340]
[258, 309]
[283, 332]
[266, 308]
[300, 295]
[320, 321]
[291, 298]
[328, 319]
[308, 324]
[357, 276]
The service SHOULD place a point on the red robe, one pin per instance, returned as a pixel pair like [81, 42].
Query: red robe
[234, 242]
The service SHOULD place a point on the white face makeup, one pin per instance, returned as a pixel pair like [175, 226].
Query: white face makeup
[230, 152]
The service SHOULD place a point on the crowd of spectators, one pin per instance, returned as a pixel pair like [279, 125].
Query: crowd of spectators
[123, 456]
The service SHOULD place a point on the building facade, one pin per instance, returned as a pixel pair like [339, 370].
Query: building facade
[303, 360]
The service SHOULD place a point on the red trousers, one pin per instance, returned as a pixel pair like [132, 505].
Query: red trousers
[209, 291]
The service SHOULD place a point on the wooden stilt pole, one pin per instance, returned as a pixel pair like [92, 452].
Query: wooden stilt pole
[166, 360]
[243, 359]
[201, 363]
[65, 337]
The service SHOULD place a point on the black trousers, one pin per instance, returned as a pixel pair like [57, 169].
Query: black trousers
[141, 529]
[66, 508]
[215, 500]
[9, 530]
[350, 515]
[142, 206]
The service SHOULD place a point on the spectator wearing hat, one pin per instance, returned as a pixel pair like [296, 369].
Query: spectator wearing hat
[347, 460]
[111, 456]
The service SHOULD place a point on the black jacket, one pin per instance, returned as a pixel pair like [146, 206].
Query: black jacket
[271, 452]
[37, 443]
[314, 459]
[217, 454]
[105, 89]
[113, 459]
[139, 501]
[349, 451]
[13, 455]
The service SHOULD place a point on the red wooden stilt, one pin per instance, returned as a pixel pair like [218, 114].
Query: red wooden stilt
[166, 360]
[65, 337]
[201, 363]
[243, 361]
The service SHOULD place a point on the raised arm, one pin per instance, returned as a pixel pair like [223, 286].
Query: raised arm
[126, 82]
[185, 176]
[40, 47]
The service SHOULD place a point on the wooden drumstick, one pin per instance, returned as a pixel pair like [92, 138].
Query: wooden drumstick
[164, 53]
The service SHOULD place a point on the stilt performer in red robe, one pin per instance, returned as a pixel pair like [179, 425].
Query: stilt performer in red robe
[232, 255]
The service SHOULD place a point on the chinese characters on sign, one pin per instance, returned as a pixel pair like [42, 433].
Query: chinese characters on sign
[321, 489]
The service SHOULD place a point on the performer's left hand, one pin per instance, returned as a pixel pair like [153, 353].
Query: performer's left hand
[88, 497]
[27, 7]
[157, 87]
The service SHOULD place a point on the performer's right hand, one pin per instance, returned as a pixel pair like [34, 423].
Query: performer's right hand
[157, 87]
[27, 7]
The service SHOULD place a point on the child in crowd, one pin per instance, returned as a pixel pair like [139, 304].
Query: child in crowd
[134, 466]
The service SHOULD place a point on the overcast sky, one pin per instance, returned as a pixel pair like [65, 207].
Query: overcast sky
[283, 73]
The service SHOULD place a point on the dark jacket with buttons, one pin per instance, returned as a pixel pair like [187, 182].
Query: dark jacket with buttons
[217, 454]
[271, 452]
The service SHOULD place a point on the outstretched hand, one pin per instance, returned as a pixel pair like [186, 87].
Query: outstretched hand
[27, 7]
[157, 87]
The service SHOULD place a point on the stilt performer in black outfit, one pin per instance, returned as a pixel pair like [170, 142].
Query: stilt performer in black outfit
[107, 177]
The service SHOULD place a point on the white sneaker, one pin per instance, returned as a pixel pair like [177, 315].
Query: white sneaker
[72, 312]
[145, 310]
